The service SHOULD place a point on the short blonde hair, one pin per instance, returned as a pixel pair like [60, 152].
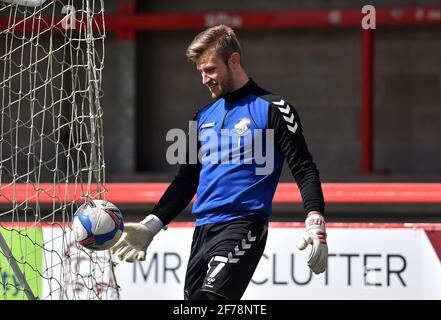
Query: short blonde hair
[222, 38]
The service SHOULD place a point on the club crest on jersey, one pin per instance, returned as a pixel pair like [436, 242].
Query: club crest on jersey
[242, 126]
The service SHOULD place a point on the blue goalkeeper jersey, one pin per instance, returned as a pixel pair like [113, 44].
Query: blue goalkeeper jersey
[229, 184]
[243, 139]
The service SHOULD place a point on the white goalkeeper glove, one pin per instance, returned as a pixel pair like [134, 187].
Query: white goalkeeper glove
[315, 235]
[136, 238]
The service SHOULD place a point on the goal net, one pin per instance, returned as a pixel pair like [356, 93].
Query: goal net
[51, 148]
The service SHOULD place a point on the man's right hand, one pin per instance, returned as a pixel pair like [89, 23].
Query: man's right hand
[136, 238]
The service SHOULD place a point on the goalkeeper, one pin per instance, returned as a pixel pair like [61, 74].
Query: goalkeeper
[233, 202]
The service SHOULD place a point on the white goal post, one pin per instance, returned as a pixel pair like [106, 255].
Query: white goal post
[51, 148]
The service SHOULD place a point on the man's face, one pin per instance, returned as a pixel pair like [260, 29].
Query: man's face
[216, 75]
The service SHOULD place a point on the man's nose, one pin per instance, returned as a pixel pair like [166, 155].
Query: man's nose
[205, 79]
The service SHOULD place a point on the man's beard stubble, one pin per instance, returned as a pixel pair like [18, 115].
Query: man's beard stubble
[227, 85]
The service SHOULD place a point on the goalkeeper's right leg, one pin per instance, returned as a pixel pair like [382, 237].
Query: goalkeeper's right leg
[204, 295]
[224, 257]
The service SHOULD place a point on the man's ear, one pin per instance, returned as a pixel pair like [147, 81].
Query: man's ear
[234, 61]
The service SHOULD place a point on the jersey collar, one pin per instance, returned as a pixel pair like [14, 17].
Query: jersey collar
[244, 91]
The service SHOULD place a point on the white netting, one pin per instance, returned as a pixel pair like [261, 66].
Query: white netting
[51, 148]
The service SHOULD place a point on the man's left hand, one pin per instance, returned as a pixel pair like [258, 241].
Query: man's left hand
[315, 235]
